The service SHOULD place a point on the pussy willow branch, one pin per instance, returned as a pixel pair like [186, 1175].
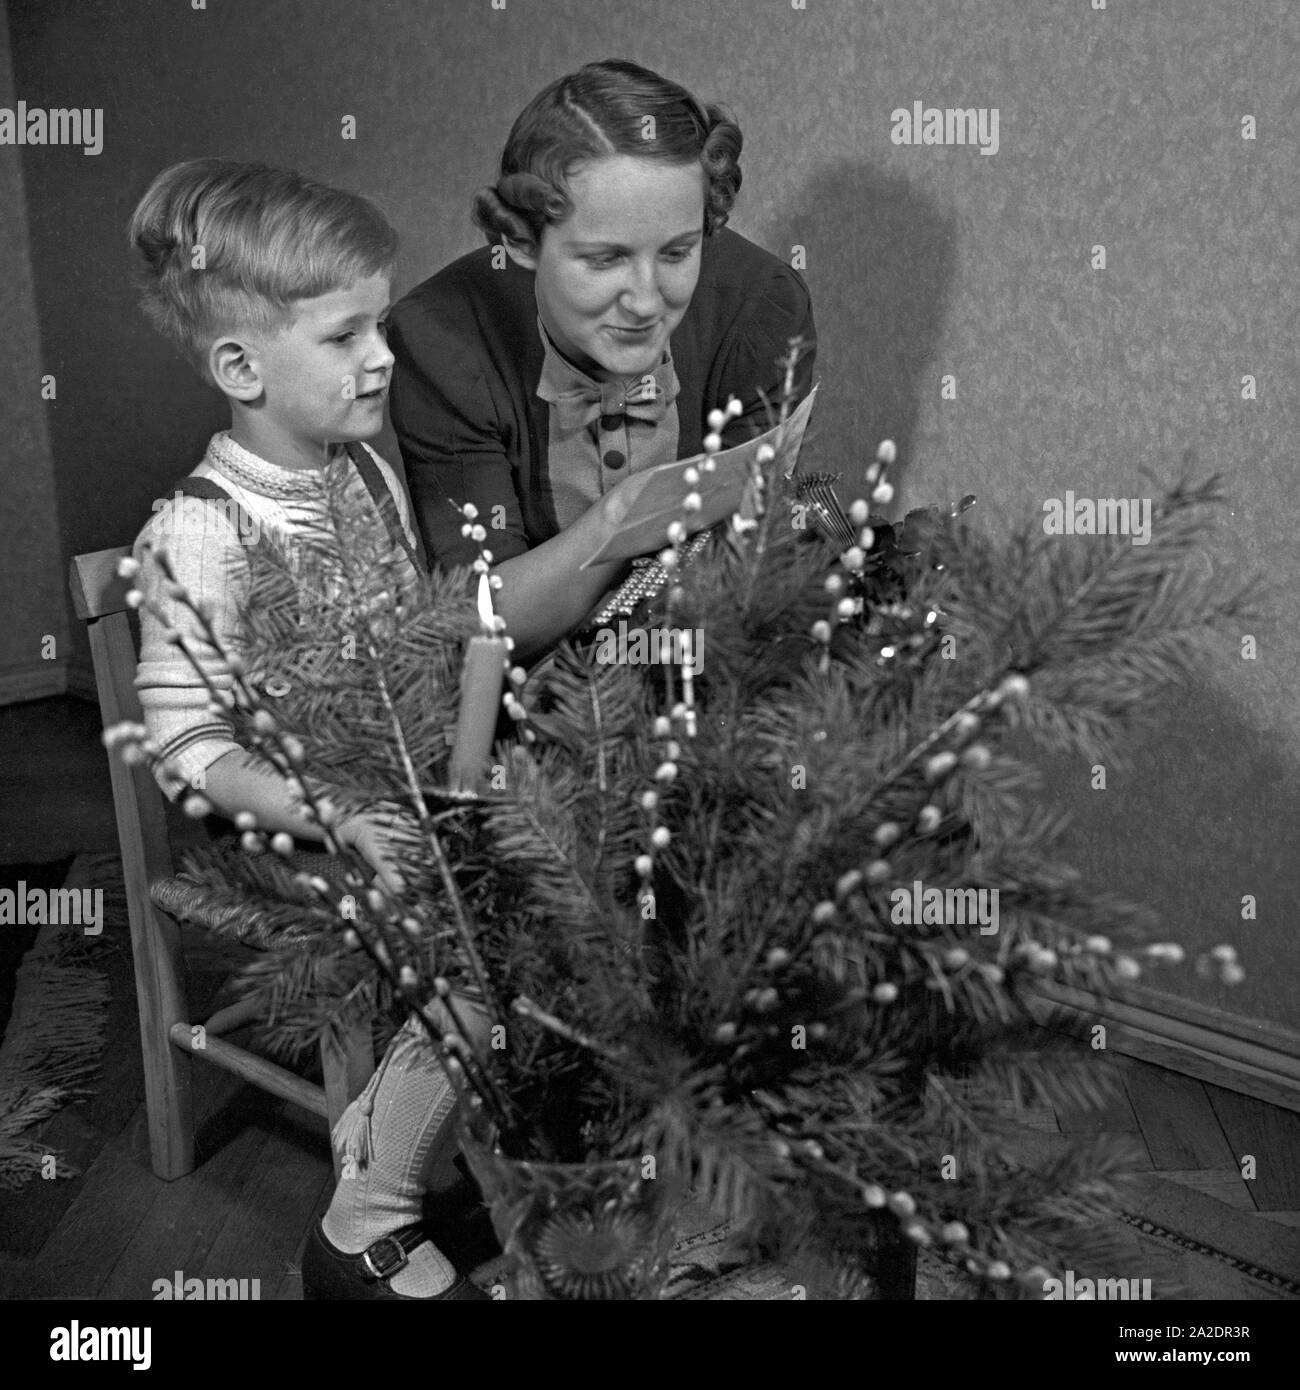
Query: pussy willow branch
[961, 1254]
[764, 499]
[249, 701]
[502, 1101]
[525, 1007]
[426, 822]
[732, 723]
[982, 702]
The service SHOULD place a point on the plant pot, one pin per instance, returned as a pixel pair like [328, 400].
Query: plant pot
[578, 1231]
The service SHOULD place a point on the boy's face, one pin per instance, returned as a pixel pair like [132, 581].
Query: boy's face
[324, 376]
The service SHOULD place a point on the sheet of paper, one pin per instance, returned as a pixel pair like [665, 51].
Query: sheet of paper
[655, 496]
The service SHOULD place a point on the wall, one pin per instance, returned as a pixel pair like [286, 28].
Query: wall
[33, 629]
[1118, 127]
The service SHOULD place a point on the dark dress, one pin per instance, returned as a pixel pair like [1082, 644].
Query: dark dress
[469, 357]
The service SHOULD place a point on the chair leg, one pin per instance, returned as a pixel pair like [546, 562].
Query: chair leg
[160, 995]
[347, 1063]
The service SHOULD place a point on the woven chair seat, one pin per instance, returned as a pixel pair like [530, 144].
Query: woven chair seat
[259, 925]
[196, 904]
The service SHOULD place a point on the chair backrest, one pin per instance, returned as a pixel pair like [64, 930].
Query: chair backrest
[99, 596]
[97, 588]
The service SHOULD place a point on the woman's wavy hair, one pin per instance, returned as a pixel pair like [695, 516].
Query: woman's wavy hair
[608, 108]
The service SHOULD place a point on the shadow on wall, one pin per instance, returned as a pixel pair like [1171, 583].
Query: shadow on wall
[1177, 829]
[881, 274]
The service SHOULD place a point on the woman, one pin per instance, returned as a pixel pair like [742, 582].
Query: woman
[610, 313]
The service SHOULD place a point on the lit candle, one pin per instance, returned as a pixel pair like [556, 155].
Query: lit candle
[481, 681]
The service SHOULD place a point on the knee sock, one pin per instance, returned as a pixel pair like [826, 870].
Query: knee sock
[444, 1176]
[394, 1138]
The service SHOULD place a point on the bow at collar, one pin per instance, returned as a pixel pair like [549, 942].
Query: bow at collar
[578, 400]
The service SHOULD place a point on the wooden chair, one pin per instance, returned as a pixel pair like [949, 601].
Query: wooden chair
[169, 1038]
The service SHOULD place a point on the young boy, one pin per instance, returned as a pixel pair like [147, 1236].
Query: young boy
[276, 288]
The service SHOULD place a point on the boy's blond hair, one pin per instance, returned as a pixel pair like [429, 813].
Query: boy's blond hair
[229, 246]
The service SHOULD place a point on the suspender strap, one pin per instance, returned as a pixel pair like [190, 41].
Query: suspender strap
[244, 522]
[202, 487]
[382, 496]
[376, 486]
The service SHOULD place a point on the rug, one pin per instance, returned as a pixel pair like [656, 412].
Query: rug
[56, 1026]
[16, 940]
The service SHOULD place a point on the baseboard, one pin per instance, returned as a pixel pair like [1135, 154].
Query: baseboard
[35, 681]
[1188, 1038]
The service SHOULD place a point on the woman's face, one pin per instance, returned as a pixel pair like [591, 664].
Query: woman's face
[616, 276]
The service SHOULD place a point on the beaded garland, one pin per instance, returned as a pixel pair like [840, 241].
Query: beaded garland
[647, 579]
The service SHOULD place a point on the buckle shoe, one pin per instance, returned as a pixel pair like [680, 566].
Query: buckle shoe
[328, 1274]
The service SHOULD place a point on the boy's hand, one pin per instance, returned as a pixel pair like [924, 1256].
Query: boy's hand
[377, 834]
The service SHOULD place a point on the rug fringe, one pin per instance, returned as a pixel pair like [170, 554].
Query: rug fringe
[21, 1159]
[52, 1048]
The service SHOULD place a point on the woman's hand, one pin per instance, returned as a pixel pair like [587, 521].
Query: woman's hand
[545, 592]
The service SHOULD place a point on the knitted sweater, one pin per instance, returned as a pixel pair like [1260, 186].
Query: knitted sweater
[469, 358]
[209, 555]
